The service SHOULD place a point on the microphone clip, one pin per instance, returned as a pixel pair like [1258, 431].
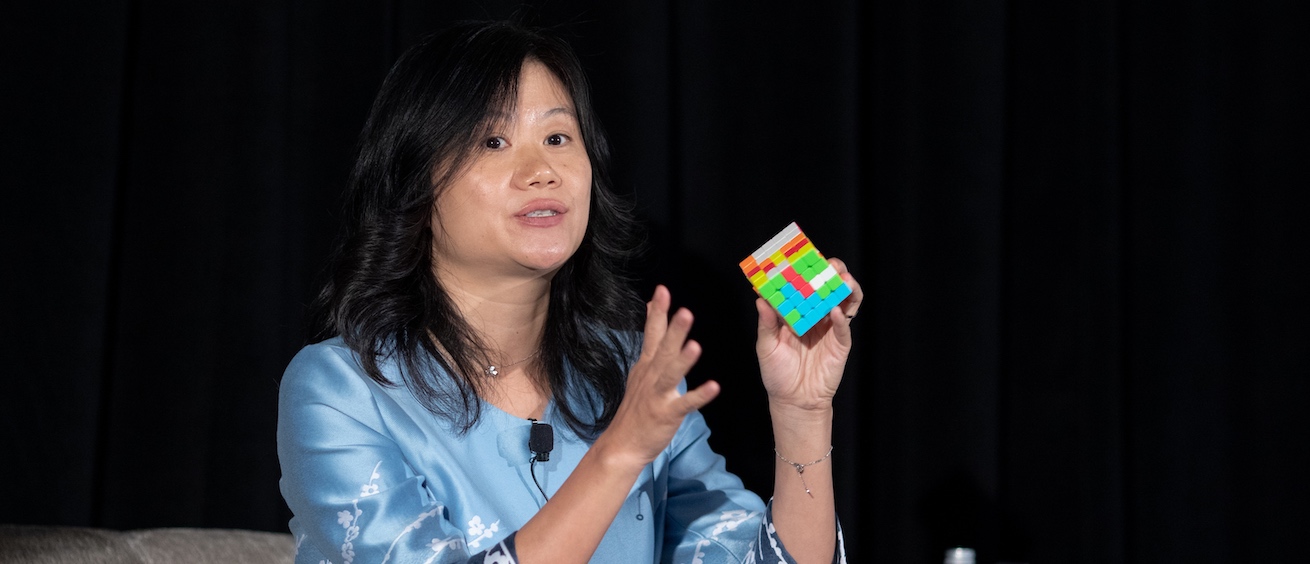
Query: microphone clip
[541, 440]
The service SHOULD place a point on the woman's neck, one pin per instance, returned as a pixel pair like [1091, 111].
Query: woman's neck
[509, 314]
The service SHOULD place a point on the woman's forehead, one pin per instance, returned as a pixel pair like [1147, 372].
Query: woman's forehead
[539, 94]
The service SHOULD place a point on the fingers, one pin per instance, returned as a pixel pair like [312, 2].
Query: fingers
[657, 320]
[841, 325]
[851, 305]
[653, 407]
[676, 353]
[701, 396]
[768, 323]
[665, 347]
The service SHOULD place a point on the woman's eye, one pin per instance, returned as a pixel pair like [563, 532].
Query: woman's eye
[556, 139]
[494, 143]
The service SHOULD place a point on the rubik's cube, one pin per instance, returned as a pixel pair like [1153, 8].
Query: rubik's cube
[795, 278]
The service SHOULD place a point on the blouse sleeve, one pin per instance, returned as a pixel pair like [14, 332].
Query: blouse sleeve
[711, 518]
[353, 496]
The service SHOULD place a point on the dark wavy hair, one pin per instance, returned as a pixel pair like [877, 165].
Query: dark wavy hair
[439, 100]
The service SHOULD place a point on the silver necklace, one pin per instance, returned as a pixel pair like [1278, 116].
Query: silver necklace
[495, 370]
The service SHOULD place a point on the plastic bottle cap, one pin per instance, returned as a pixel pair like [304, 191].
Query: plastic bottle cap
[959, 556]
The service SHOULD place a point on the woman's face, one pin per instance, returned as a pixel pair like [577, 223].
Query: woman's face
[521, 204]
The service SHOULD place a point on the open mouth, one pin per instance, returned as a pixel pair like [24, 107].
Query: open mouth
[541, 213]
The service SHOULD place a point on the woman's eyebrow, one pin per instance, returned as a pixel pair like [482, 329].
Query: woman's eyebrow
[560, 110]
[508, 117]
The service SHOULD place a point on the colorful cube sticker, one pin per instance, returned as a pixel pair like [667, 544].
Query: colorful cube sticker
[795, 279]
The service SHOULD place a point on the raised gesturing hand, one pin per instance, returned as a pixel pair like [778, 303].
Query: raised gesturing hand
[652, 408]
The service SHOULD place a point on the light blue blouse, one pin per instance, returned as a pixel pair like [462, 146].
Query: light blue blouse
[372, 476]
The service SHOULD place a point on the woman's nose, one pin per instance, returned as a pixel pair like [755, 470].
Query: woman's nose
[536, 172]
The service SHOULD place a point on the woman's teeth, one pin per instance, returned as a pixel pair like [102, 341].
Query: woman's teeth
[541, 213]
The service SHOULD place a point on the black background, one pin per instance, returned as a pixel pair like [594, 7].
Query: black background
[1078, 225]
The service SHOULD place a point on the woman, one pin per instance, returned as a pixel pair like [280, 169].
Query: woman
[475, 296]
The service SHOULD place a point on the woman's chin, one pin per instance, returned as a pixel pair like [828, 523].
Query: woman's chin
[544, 261]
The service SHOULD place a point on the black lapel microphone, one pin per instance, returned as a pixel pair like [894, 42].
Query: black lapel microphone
[541, 440]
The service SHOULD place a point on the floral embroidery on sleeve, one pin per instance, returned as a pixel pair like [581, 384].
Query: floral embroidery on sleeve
[412, 527]
[730, 520]
[438, 545]
[698, 555]
[773, 542]
[371, 488]
[841, 545]
[769, 533]
[479, 531]
[502, 553]
[350, 521]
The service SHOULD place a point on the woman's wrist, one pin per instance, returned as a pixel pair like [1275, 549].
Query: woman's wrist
[801, 433]
[612, 453]
[791, 415]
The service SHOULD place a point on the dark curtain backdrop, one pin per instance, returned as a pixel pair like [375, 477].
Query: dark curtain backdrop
[1079, 225]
